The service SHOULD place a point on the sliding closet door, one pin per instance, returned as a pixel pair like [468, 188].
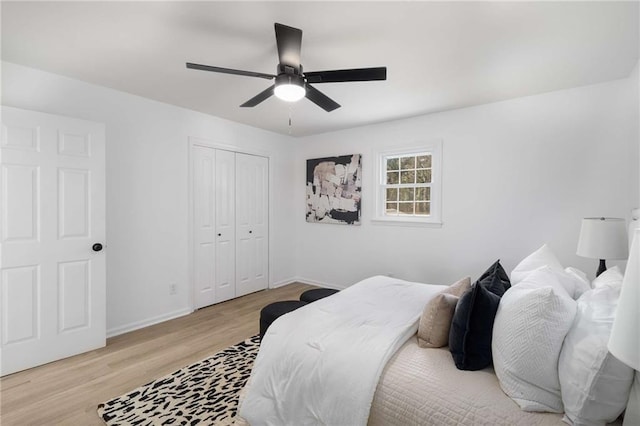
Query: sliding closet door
[225, 261]
[203, 225]
[251, 223]
[230, 224]
[214, 225]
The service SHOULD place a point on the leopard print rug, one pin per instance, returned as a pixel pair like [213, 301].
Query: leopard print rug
[204, 393]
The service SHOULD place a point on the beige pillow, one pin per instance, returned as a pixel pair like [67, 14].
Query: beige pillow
[460, 287]
[435, 322]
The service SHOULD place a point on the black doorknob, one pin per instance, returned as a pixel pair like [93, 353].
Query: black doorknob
[251, 232]
[219, 235]
[97, 247]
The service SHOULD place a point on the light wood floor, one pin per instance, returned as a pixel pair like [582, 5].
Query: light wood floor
[67, 392]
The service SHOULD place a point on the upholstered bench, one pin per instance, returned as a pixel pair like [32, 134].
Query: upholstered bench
[273, 311]
[316, 294]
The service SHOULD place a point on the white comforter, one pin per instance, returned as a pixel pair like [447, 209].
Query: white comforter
[320, 364]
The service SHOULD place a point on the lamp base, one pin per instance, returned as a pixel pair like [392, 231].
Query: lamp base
[602, 267]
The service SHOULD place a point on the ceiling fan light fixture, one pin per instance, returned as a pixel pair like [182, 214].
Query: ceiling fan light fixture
[289, 88]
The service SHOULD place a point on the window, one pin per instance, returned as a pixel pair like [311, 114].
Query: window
[409, 185]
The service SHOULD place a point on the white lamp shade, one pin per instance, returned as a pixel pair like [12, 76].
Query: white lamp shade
[603, 238]
[624, 342]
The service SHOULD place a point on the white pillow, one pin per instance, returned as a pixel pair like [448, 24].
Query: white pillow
[610, 277]
[580, 279]
[595, 385]
[546, 276]
[532, 321]
[572, 279]
[544, 256]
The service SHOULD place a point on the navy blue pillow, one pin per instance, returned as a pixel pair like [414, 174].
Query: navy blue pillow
[495, 279]
[472, 324]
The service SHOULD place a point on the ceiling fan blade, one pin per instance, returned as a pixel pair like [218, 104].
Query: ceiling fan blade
[320, 99]
[289, 41]
[229, 71]
[339, 76]
[259, 97]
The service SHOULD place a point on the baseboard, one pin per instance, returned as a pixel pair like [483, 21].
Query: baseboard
[282, 283]
[306, 281]
[146, 323]
[318, 283]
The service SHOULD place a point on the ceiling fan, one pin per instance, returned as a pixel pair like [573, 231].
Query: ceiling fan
[291, 83]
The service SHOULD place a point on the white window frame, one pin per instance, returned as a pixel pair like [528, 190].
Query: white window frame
[434, 148]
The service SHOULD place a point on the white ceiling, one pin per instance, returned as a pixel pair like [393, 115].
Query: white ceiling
[440, 55]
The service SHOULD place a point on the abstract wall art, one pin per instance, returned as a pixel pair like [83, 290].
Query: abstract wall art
[334, 188]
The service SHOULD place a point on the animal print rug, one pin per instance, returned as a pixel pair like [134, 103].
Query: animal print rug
[204, 393]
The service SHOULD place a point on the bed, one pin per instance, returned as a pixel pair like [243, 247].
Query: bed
[423, 387]
[411, 386]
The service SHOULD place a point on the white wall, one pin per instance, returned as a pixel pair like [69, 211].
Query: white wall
[516, 174]
[147, 187]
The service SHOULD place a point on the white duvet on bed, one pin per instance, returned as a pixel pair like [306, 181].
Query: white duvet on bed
[320, 364]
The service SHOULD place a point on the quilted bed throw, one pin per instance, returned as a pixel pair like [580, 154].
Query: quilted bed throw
[320, 364]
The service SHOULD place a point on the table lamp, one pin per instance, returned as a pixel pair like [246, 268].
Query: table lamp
[603, 238]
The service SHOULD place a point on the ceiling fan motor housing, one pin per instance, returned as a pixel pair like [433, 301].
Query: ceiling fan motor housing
[288, 69]
[294, 79]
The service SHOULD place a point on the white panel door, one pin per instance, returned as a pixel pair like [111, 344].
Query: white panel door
[203, 166]
[252, 246]
[225, 219]
[52, 267]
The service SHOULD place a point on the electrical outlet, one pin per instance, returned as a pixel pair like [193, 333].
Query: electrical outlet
[173, 288]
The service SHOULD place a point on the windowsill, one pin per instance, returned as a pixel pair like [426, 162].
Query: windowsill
[406, 222]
